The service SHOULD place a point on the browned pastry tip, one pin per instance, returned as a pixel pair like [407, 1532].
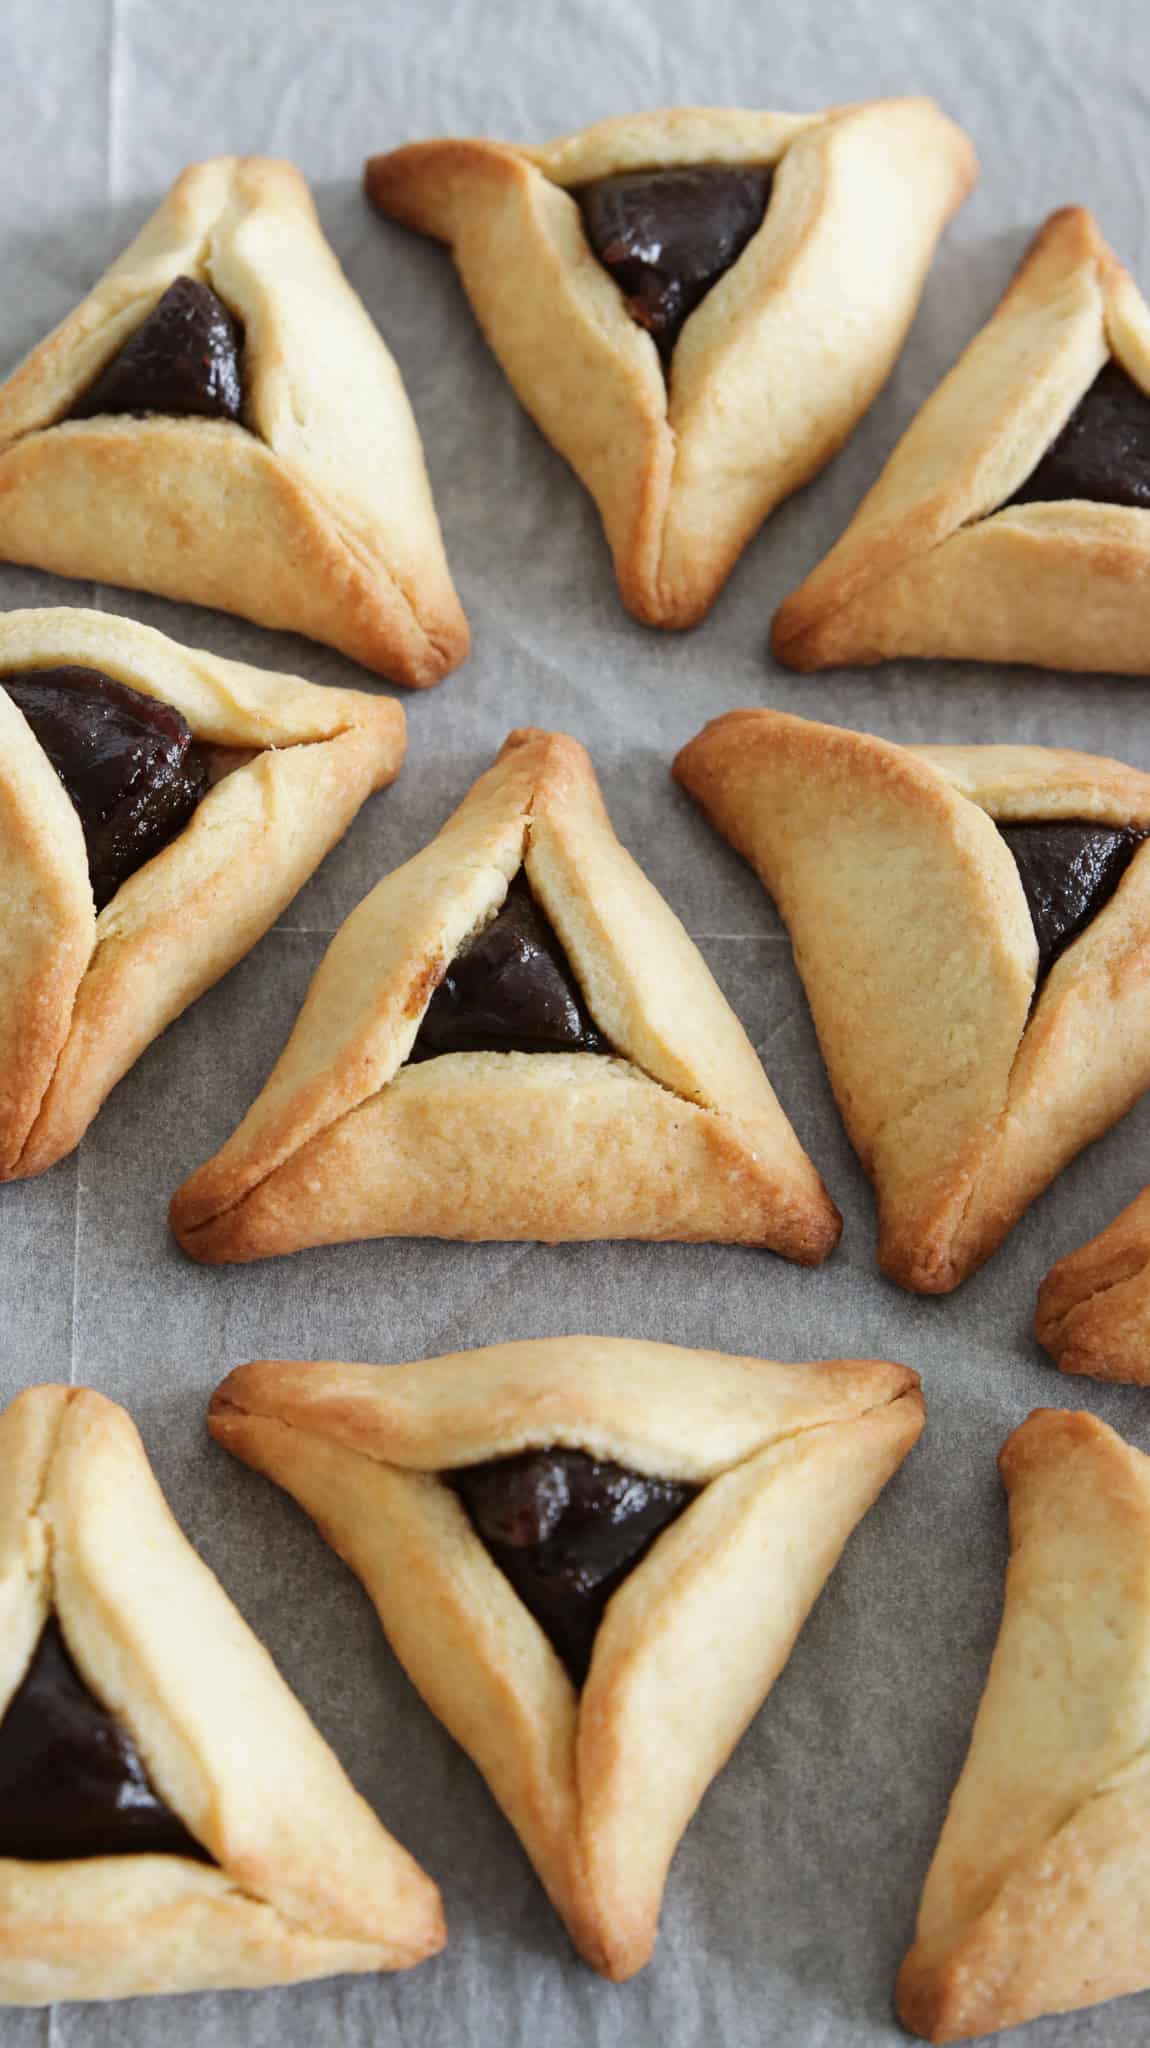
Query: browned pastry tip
[1093, 1311]
[1036, 1898]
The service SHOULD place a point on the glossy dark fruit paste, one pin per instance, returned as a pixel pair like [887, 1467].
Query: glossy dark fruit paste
[1103, 451]
[510, 989]
[567, 1528]
[129, 764]
[72, 1782]
[185, 358]
[667, 236]
[1068, 873]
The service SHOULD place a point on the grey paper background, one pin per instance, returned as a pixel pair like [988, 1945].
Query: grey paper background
[793, 1895]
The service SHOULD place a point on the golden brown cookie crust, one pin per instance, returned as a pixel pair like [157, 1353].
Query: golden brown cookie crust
[683, 478]
[678, 1136]
[1035, 1901]
[1094, 1306]
[81, 996]
[304, 1882]
[916, 949]
[599, 1785]
[328, 528]
[930, 565]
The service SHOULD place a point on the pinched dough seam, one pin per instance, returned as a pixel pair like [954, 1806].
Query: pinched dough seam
[617, 1060]
[1137, 1766]
[1059, 1331]
[868, 587]
[768, 1443]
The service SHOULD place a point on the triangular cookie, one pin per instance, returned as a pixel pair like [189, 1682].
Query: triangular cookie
[971, 925]
[283, 1872]
[1094, 1305]
[85, 987]
[972, 543]
[779, 1462]
[668, 1129]
[774, 368]
[310, 511]
[1038, 1897]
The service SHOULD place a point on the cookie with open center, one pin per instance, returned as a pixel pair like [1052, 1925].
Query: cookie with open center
[567, 1529]
[220, 422]
[1102, 453]
[72, 1782]
[972, 927]
[129, 763]
[512, 1037]
[1012, 521]
[159, 807]
[592, 1556]
[667, 294]
[186, 358]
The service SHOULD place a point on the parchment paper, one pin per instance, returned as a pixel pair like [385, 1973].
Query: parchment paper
[793, 1895]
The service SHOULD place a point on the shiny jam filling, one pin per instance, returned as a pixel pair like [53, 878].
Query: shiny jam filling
[566, 1529]
[509, 989]
[667, 237]
[1103, 451]
[129, 764]
[72, 1782]
[1069, 871]
[186, 359]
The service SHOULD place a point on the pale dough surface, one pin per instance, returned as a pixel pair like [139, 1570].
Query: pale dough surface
[935, 562]
[1094, 1305]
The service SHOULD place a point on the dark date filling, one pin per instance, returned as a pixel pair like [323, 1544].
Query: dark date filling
[567, 1528]
[509, 990]
[667, 236]
[185, 358]
[72, 1782]
[129, 764]
[1068, 873]
[1103, 451]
